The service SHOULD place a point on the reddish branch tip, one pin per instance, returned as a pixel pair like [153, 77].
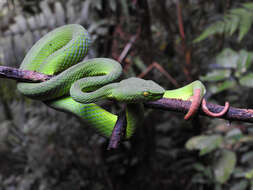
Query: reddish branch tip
[209, 113]
[196, 100]
[35, 76]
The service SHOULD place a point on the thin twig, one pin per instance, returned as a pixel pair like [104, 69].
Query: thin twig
[127, 48]
[180, 21]
[162, 70]
[185, 51]
[119, 131]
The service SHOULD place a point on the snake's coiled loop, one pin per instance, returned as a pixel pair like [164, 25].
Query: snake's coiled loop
[59, 53]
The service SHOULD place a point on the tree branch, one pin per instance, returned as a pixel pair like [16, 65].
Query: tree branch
[233, 114]
[22, 75]
[119, 131]
[127, 48]
[162, 70]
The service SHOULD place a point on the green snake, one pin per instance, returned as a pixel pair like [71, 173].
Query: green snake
[77, 85]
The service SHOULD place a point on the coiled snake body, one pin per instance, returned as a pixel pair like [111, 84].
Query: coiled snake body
[78, 85]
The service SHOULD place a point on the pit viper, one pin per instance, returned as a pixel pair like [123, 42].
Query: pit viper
[77, 85]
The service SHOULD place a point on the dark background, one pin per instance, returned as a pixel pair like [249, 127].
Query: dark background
[41, 148]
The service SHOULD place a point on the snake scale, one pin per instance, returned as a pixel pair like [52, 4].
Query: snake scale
[77, 85]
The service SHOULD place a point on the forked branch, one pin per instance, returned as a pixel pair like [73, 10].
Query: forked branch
[232, 114]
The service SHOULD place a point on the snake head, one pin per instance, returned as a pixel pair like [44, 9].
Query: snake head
[137, 90]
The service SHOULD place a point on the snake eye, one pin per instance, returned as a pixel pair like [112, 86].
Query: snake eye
[145, 93]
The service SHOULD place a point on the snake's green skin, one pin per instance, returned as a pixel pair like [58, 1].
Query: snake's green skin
[78, 85]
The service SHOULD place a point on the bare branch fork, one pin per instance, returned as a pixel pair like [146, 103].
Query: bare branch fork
[233, 114]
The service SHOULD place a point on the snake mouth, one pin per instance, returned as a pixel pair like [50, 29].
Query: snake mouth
[155, 96]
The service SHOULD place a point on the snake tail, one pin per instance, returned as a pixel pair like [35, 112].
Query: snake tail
[193, 92]
[77, 84]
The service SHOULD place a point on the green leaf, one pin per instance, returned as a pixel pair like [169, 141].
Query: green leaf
[227, 58]
[236, 19]
[249, 174]
[232, 24]
[218, 27]
[239, 172]
[230, 60]
[245, 24]
[205, 170]
[217, 88]
[247, 80]
[204, 143]
[233, 136]
[139, 63]
[224, 166]
[97, 4]
[215, 76]
[248, 6]
[242, 185]
[112, 4]
[199, 167]
[247, 157]
[244, 61]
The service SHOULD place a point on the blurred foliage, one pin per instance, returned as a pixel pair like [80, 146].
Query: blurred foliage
[230, 68]
[44, 149]
[237, 19]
